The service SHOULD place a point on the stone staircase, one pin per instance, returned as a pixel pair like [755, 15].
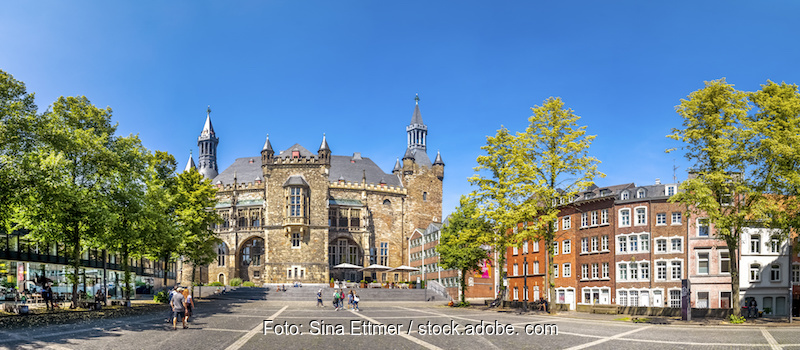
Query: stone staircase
[309, 293]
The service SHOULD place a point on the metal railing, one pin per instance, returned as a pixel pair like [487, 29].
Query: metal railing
[438, 288]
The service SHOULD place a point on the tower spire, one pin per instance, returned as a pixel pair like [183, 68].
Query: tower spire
[207, 142]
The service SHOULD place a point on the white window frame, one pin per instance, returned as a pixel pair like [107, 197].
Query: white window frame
[665, 265]
[566, 246]
[516, 269]
[641, 216]
[641, 193]
[622, 244]
[524, 247]
[755, 244]
[595, 271]
[672, 264]
[604, 217]
[699, 226]
[604, 243]
[676, 218]
[594, 218]
[625, 195]
[795, 273]
[606, 270]
[585, 271]
[775, 272]
[536, 267]
[721, 260]
[555, 247]
[661, 219]
[584, 220]
[594, 244]
[700, 259]
[566, 222]
[754, 272]
[665, 242]
[671, 245]
[625, 217]
[535, 246]
[555, 270]
[567, 270]
[514, 250]
[584, 245]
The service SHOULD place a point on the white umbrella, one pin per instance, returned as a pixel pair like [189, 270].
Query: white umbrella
[375, 267]
[404, 268]
[346, 266]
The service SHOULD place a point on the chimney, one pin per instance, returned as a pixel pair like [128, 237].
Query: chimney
[658, 181]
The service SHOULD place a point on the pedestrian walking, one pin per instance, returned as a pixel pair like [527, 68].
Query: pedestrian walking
[189, 304]
[319, 298]
[170, 294]
[178, 305]
[355, 302]
[336, 300]
[47, 295]
[341, 299]
[350, 300]
[753, 308]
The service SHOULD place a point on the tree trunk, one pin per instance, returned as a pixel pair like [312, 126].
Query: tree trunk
[463, 286]
[126, 292]
[194, 270]
[76, 263]
[166, 268]
[733, 248]
[551, 283]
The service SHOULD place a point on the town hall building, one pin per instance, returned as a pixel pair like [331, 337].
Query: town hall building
[293, 214]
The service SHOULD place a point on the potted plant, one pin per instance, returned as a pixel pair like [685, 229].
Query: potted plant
[331, 282]
[363, 284]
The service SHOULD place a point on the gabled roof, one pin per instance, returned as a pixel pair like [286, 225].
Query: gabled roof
[295, 180]
[287, 153]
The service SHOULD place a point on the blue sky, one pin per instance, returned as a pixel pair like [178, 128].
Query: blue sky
[350, 69]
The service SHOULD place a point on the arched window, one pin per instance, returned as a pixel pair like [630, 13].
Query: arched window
[640, 193]
[222, 252]
[624, 195]
[221, 278]
[387, 202]
[252, 251]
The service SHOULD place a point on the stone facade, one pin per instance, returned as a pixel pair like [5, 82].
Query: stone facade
[294, 215]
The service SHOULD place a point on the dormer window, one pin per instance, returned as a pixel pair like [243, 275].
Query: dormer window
[640, 193]
[624, 195]
[588, 195]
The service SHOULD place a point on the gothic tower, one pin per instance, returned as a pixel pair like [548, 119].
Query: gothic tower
[207, 142]
[422, 178]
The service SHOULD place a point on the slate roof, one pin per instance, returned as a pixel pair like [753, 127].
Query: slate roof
[287, 153]
[417, 118]
[421, 157]
[245, 171]
[353, 172]
[341, 167]
[190, 164]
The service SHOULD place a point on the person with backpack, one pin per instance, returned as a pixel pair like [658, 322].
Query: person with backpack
[355, 302]
[47, 295]
[336, 300]
[319, 298]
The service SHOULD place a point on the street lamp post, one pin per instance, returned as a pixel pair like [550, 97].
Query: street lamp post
[525, 284]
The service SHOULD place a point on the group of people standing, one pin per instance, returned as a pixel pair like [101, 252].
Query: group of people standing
[338, 300]
[181, 305]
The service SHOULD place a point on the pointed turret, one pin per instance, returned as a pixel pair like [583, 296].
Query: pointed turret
[324, 145]
[190, 164]
[324, 152]
[267, 152]
[409, 154]
[207, 142]
[397, 166]
[438, 160]
[418, 138]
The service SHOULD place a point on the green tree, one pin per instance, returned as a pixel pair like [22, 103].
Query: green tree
[463, 239]
[163, 237]
[17, 117]
[719, 140]
[72, 160]
[127, 232]
[777, 149]
[532, 172]
[195, 214]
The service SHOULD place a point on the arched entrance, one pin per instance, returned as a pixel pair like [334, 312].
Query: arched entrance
[250, 257]
[345, 250]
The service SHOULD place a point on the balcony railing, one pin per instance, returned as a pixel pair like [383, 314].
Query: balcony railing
[295, 221]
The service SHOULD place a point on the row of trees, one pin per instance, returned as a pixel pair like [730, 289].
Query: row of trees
[745, 153]
[65, 176]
